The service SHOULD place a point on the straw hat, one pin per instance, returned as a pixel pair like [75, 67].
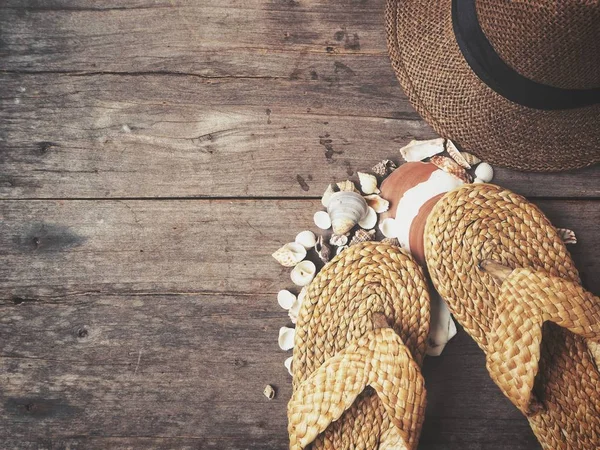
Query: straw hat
[517, 83]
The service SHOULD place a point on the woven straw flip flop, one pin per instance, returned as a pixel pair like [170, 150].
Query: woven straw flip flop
[538, 327]
[358, 384]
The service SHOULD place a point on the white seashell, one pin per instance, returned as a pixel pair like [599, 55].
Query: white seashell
[567, 236]
[378, 203]
[442, 327]
[322, 220]
[448, 165]
[286, 338]
[288, 364]
[470, 158]
[338, 239]
[341, 249]
[478, 181]
[368, 183]
[347, 186]
[294, 311]
[269, 392]
[306, 239]
[370, 220]
[303, 273]
[456, 155]
[323, 250]
[389, 228]
[327, 195]
[286, 299]
[484, 172]
[346, 209]
[419, 150]
[290, 254]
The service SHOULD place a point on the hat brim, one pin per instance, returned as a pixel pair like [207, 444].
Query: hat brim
[459, 106]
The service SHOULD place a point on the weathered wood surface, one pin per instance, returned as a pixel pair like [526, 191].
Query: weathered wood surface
[131, 322]
[187, 98]
[122, 322]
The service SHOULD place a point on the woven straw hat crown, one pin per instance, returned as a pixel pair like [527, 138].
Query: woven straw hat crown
[551, 42]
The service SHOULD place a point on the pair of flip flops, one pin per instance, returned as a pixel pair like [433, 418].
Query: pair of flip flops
[510, 282]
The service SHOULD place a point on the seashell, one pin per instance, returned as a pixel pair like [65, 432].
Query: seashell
[290, 254]
[338, 239]
[306, 239]
[346, 209]
[413, 190]
[470, 158]
[484, 172]
[389, 228]
[384, 167]
[295, 309]
[478, 181]
[456, 155]
[370, 220]
[347, 186]
[368, 183]
[269, 392]
[448, 165]
[442, 327]
[327, 195]
[322, 220]
[391, 241]
[288, 364]
[323, 250]
[567, 236]
[286, 338]
[362, 236]
[341, 249]
[377, 203]
[419, 150]
[286, 299]
[303, 273]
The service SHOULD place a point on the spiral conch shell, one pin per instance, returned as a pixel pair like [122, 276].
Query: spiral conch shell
[346, 209]
[450, 166]
[290, 254]
[368, 183]
[456, 155]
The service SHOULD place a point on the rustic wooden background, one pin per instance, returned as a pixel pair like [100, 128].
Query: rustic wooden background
[153, 153]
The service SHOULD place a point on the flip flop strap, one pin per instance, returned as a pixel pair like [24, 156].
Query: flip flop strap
[378, 359]
[528, 299]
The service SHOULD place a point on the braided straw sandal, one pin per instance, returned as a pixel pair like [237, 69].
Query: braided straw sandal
[358, 385]
[538, 327]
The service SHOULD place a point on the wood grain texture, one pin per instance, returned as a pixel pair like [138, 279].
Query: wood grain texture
[122, 322]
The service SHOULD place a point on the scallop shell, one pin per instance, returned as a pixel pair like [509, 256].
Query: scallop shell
[377, 203]
[347, 186]
[303, 273]
[288, 364]
[323, 250]
[370, 220]
[470, 158]
[484, 172]
[362, 236]
[269, 392]
[368, 183]
[322, 220]
[341, 249]
[346, 209]
[286, 299]
[338, 239]
[327, 195]
[384, 167]
[567, 236]
[391, 241]
[456, 155]
[449, 166]
[419, 150]
[306, 239]
[290, 254]
[389, 228]
[286, 338]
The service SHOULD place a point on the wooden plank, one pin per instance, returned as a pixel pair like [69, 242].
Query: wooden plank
[119, 136]
[152, 324]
